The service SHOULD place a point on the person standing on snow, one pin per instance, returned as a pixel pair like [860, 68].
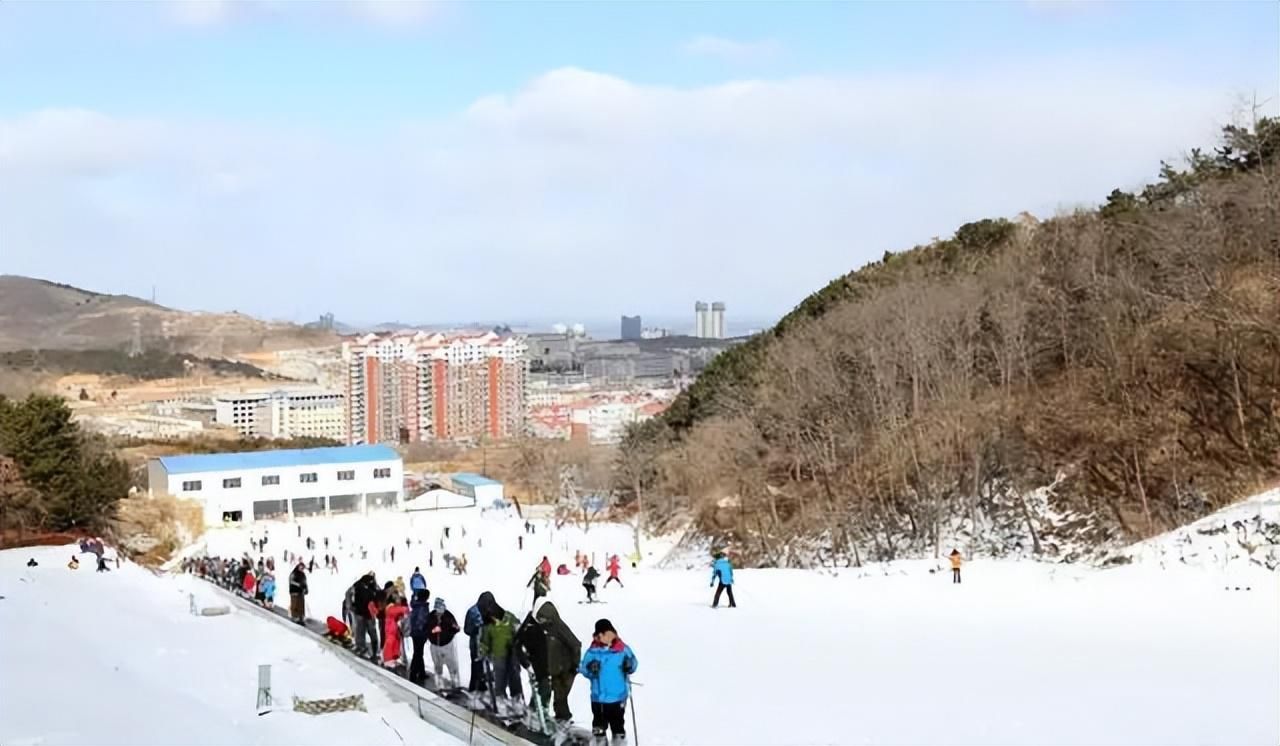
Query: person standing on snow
[608, 665]
[564, 650]
[416, 581]
[392, 642]
[364, 609]
[443, 627]
[473, 624]
[614, 566]
[722, 570]
[545, 568]
[298, 593]
[589, 583]
[955, 565]
[497, 644]
[539, 584]
[419, 626]
[268, 588]
[249, 584]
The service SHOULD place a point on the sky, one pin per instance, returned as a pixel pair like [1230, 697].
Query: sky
[525, 162]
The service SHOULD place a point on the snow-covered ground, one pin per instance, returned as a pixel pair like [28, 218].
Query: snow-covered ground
[116, 658]
[1021, 652]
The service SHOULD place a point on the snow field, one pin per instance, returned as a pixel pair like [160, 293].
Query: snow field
[1021, 652]
[116, 658]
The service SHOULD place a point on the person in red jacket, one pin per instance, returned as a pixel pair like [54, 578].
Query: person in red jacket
[392, 645]
[545, 568]
[614, 566]
[250, 583]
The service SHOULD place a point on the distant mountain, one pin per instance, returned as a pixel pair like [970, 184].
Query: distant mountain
[39, 314]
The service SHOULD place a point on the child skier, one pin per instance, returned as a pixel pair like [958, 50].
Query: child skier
[337, 632]
[608, 665]
[955, 565]
[589, 583]
[722, 570]
[539, 584]
[268, 588]
[614, 566]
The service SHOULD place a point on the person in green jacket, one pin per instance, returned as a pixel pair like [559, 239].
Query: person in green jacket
[497, 645]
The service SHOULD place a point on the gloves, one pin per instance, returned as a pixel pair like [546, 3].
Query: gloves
[627, 668]
[593, 668]
[711, 584]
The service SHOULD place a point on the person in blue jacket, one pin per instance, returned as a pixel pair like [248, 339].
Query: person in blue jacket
[608, 665]
[417, 582]
[722, 570]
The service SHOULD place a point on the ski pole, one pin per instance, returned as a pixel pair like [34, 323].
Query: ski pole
[635, 729]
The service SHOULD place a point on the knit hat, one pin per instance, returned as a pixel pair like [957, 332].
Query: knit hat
[604, 625]
[439, 604]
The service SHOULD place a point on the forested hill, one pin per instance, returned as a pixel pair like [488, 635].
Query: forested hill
[1047, 387]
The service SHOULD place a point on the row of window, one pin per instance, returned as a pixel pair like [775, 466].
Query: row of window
[268, 480]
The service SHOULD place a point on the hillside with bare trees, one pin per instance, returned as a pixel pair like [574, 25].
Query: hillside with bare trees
[1052, 388]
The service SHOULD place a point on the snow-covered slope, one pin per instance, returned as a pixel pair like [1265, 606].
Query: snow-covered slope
[116, 658]
[1241, 537]
[1021, 652]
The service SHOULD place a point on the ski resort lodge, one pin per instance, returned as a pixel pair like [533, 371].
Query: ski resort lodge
[258, 485]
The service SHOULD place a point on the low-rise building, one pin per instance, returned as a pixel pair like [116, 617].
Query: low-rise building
[298, 413]
[258, 485]
[483, 490]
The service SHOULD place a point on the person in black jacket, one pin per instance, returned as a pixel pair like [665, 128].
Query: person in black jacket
[472, 624]
[365, 610]
[298, 594]
[419, 628]
[442, 628]
[589, 583]
[531, 642]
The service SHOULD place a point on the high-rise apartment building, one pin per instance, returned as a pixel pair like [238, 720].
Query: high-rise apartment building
[631, 328]
[708, 320]
[408, 387]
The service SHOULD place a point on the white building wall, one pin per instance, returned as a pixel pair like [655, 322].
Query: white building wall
[218, 499]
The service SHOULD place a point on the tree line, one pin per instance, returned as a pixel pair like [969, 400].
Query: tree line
[1124, 360]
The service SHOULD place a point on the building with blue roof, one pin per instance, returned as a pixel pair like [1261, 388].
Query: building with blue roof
[283, 484]
[483, 490]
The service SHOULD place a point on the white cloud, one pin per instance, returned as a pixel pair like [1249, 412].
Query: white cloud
[579, 192]
[733, 51]
[387, 13]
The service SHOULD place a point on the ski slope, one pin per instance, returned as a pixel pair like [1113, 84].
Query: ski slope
[116, 658]
[1021, 652]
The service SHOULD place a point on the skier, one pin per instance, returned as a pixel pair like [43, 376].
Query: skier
[102, 563]
[531, 642]
[614, 567]
[392, 643]
[589, 583]
[472, 624]
[393, 553]
[416, 581]
[545, 568]
[497, 645]
[364, 608]
[520, 543]
[442, 629]
[563, 652]
[955, 565]
[297, 593]
[407, 543]
[268, 588]
[722, 570]
[539, 584]
[312, 566]
[419, 627]
[608, 665]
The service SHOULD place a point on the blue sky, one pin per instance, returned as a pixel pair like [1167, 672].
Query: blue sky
[575, 160]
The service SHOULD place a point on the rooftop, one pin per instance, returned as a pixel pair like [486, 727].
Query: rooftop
[203, 462]
[472, 480]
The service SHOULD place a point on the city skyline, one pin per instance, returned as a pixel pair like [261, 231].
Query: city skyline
[434, 161]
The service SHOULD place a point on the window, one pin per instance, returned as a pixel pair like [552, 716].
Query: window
[382, 473]
[191, 486]
[346, 476]
[229, 484]
[308, 477]
[270, 479]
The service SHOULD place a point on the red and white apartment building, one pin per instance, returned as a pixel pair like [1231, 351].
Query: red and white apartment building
[414, 386]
